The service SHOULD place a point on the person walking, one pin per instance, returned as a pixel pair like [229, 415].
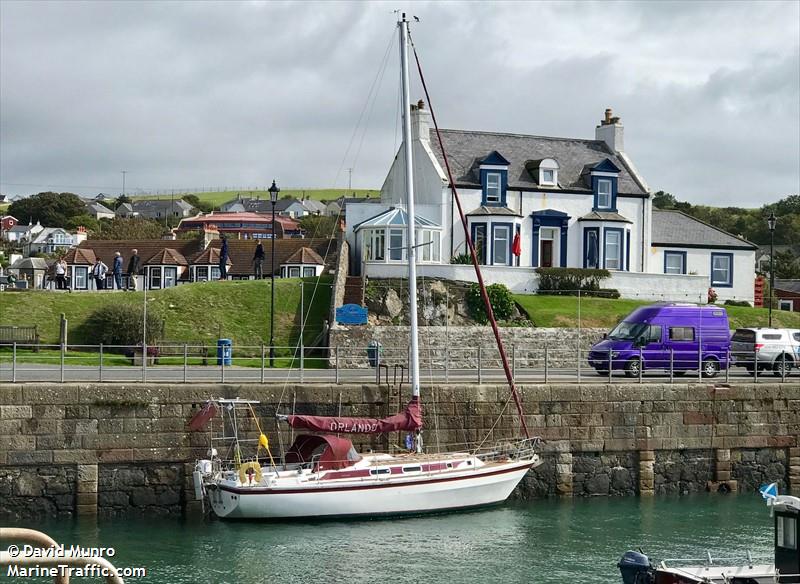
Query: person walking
[223, 259]
[133, 269]
[61, 274]
[258, 261]
[116, 269]
[99, 271]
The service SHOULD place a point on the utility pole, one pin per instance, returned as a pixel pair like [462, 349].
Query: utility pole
[350, 179]
[124, 172]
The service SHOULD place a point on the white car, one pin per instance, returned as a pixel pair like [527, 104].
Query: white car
[772, 349]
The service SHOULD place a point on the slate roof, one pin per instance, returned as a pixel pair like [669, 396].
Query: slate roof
[792, 286]
[95, 207]
[167, 257]
[484, 210]
[313, 205]
[140, 205]
[466, 150]
[604, 216]
[210, 256]
[21, 228]
[305, 255]
[240, 252]
[674, 228]
[88, 250]
[29, 264]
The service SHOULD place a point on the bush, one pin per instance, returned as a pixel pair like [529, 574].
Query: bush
[499, 297]
[462, 258]
[568, 281]
[121, 324]
[737, 303]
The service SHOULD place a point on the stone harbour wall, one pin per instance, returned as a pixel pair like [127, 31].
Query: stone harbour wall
[456, 347]
[115, 449]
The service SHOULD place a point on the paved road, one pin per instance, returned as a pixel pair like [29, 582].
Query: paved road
[213, 374]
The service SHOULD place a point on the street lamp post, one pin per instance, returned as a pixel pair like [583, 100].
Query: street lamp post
[273, 197]
[772, 220]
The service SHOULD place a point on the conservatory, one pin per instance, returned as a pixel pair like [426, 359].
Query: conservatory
[384, 238]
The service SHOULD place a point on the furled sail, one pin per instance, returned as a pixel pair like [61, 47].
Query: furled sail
[407, 420]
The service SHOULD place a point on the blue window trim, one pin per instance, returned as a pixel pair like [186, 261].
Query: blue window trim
[586, 231]
[484, 248]
[729, 283]
[550, 218]
[621, 247]
[627, 250]
[596, 192]
[675, 252]
[510, 242]
[484, 172]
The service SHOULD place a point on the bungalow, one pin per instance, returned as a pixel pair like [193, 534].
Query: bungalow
[788, 294]
[30, 270]
[168, 263]
[242, 225]
[536, 201]
[6, 223]
[21, 233]
[162, 209]
[284, 207]
[99, 211]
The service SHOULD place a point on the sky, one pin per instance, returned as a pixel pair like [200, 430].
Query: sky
[191, 95]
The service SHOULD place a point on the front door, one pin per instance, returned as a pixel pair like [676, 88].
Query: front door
[547, 254]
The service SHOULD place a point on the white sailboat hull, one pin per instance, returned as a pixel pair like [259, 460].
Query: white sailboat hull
[488, 485]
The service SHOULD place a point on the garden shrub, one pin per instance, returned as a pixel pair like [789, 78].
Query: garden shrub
[567, 281]
[499, 297]
[737, 303]
[121, 324]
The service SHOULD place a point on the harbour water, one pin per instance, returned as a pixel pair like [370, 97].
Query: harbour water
[546, 541]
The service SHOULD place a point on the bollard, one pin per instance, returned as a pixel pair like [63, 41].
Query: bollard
[336, 364]
[545, 363]
[671, 365]
[101, 364]
[641, 364]
[263, 361]
[185, 361]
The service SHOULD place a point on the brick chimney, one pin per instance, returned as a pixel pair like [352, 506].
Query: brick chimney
[420, 122]
[611, 131]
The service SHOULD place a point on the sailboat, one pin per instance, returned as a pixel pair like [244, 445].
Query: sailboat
[321, 474]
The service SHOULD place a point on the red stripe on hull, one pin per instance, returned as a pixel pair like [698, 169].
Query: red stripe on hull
[268, 491]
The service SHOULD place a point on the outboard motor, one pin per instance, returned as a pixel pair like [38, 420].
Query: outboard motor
[635, 568]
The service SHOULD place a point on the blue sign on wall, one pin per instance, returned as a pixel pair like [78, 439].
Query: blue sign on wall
[351, 314]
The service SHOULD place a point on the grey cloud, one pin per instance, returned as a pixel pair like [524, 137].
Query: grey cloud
[222, 94]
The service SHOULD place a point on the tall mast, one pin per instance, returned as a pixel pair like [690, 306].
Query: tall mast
[411, 242]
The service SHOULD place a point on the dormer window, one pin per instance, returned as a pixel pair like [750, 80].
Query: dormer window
[548, 172]
[603, 194]
[494, 179]
[493, 187]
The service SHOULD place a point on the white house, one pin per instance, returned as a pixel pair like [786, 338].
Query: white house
[52, 239]
[21, 233]
[536, 201]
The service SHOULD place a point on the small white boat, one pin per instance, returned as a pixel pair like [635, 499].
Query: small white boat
[637, 569]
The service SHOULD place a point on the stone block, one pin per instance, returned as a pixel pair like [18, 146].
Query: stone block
[87, 472]
[86, 486]
[781, 441]
[723, 465]
[30, 457]
[698, 418]
[647, 455]
[18, 442]
[74, 457]
[723, 475]
[48, 393]
[11, 394]
[86, 498]
[15, 412]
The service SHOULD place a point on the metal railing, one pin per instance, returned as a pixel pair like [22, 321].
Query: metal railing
[196, 363]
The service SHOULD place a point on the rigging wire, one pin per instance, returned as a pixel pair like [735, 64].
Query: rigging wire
[484, 295]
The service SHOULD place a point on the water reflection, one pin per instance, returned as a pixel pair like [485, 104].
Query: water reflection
[551, 541]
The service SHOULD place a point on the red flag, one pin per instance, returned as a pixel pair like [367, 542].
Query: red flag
[516, 247]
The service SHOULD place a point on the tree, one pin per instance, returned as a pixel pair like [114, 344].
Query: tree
[195, 202]
[662, 200]
[120, 200]
[787, 265]
[319, 226]
[91, 224]
[129, 228]
[49, 208]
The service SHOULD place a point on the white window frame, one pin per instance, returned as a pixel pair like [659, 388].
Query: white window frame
[293, 271]
[151, 272]
[309, 271]
[169, 281]
[375, 240]
[80, 274]
[786, 304]
[548, 181]
[214, 273]
[601, 184]
[607, 259]
[672, 254]
[505, 247]
[197, 272]
[490, 188]
[397, 248]
[728, 281]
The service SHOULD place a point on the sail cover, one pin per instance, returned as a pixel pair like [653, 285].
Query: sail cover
[407, 420]
[330, 452]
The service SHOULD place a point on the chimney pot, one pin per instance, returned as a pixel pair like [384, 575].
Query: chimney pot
[421, 104]
[607, 119]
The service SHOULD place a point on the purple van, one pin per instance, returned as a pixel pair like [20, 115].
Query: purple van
[663, 336]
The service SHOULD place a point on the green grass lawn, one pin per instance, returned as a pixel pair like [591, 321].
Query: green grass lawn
[198, 312]
[217, 198]
[562, 311]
